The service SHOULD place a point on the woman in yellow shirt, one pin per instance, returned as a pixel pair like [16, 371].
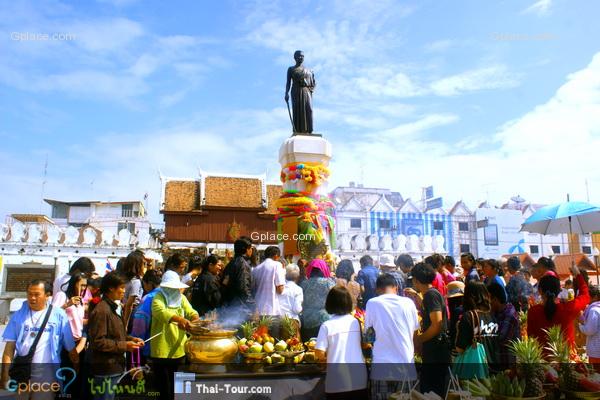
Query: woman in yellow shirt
[171, 316]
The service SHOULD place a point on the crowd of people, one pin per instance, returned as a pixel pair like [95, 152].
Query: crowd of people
[398, 313]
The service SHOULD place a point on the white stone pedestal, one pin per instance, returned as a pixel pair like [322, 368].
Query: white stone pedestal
[304, 148]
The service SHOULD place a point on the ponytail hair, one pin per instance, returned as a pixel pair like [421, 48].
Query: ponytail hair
[549, 286]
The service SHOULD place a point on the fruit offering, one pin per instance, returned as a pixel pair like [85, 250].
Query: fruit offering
[529, 361]
[281, 346]
[502, 385]
[274, 359]
[477, 387]
[294, 344]
[311, 344]
[574, 377]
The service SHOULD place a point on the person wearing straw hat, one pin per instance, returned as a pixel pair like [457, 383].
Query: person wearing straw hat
[171, 315]
[387, 265]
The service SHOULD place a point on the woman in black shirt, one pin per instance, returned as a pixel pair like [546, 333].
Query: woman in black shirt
[434, 332]
[477, 311]
[206, 292]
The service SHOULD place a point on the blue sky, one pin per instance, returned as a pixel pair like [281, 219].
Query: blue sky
[483, 100]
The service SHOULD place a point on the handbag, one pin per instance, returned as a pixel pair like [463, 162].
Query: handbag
[472, 363]
[20, 368]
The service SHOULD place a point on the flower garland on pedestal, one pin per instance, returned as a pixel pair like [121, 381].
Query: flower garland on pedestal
[314, 213]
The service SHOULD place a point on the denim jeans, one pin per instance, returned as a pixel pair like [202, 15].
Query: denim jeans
[103, 387]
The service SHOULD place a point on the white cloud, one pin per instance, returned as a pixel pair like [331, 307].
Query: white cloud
[439, 45]
[94, 84]
[385, 81]
[421, 125]
[105, 35]
[544, 154]
[492, 77]
[108, 59]
[539, 8]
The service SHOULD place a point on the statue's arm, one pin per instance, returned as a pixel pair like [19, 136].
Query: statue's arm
[288, 82]
[314, 82]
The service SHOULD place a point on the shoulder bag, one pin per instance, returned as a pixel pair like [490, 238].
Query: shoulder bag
[472, 363]
[20, 368]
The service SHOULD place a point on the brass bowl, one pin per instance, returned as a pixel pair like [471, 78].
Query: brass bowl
[212, 347]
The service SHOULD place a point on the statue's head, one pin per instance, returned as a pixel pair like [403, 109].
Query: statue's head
[299, 56]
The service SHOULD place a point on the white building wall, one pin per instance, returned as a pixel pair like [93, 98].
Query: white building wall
[79, 214]
[508, 224]
[108, 211]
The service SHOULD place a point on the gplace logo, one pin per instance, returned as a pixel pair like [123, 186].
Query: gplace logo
[43, 387]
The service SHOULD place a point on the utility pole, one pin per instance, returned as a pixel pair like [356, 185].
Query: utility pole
[587, 190]
[44, 183]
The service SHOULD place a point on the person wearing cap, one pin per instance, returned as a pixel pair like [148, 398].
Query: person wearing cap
[171, 316]
[388, 266]
[454, 297]
[517, 288]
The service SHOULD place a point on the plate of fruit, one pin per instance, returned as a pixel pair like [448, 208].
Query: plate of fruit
[289, 348]
[253, 350]
[311, 343]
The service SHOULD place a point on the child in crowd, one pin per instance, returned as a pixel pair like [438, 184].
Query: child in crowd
[339, 342]
[568, 292]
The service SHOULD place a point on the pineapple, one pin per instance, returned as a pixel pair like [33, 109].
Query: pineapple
[523, 323]
[264, 324]
[288, 327]
[529, 357]
[248, 329]
[560, 353]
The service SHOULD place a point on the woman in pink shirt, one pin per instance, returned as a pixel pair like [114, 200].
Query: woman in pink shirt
[71, 300]
[437, 262]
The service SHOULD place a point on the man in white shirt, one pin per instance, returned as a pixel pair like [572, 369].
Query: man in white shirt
[394, 320]
[268, 281]
[290, 301]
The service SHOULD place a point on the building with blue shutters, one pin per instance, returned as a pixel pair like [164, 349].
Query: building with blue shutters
[378, 221]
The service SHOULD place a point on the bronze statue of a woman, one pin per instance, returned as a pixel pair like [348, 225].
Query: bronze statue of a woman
[303, 85]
